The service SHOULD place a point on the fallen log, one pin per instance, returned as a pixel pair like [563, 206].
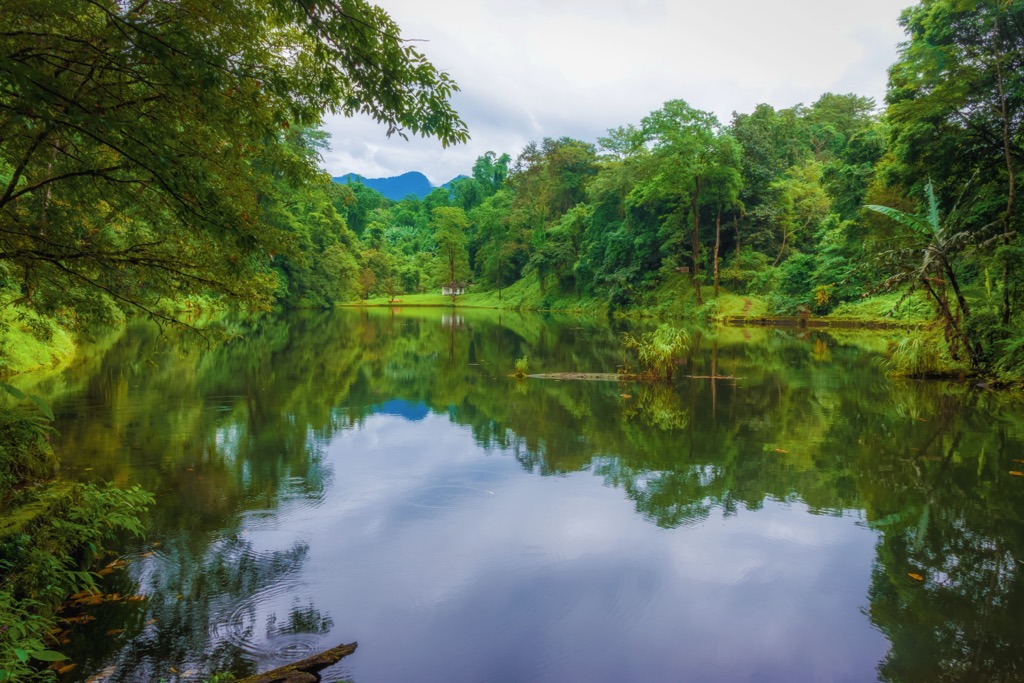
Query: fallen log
[305, 670]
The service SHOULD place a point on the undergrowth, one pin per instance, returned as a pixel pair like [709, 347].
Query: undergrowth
[51, 533]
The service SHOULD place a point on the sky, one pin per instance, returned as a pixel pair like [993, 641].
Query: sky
[551, 68]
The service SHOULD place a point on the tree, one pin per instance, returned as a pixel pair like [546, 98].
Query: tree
[141, 140]
[688, 149]
[450, 224]
[956, 104]
[926, 260]
[491, 170]
[498, 257]
[802, 202]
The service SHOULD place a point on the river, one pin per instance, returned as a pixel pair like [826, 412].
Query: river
[378, 476]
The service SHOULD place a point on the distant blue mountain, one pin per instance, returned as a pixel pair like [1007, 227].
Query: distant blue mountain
[396, 188]
[414, 412]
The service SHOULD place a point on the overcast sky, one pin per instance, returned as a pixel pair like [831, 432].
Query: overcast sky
[551, 68]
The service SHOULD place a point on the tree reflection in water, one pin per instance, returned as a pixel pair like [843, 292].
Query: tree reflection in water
[235, 434]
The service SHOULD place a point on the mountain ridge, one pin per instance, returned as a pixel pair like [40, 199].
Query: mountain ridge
[396, 188]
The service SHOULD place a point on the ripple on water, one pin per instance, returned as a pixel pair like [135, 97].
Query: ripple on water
[448, 497]
[273, 626]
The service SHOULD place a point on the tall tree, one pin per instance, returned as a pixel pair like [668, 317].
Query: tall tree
[450, 224]
[688, 148]
[491, 170]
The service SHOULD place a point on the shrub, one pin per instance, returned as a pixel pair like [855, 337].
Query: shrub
[747, 271]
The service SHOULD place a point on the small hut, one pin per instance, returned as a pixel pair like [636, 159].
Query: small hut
[453, 289]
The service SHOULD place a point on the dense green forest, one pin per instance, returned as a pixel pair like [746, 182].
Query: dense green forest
[154, 180]
[806, 209]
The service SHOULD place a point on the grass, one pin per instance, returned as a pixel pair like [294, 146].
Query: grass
[30, 341]
[672, 299]
[523, 295]
[887, 308]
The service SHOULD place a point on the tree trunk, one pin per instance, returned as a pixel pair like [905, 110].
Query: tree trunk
[782, 249]
[306, 670]
[718, 242]
[965, 311]
[736, 224]
[696, 243]
[1011, 176]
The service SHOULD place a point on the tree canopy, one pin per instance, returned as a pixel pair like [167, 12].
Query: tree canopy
[145, 145]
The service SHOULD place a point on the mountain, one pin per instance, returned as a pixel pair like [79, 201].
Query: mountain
[395, 188]
[398, 187]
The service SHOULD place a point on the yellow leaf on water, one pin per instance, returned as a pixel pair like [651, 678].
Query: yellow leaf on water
[915, 577]
[1014, 473]
[82, 619]
[626, 395]
[115, 631]
[780, 450]
[66, 668]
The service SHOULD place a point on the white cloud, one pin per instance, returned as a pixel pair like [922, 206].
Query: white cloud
[548, 68]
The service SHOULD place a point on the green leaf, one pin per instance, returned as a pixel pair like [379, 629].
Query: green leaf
[43, 406]
[13, 391]
[49, 656]
[902, 217]
[21, 654]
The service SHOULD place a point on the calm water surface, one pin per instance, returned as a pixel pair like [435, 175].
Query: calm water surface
[378, 477]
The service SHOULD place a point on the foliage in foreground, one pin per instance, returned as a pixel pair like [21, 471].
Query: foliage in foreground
[50, 534]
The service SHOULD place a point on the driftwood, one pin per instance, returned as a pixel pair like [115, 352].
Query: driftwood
[305, 670]
[614, 377]
[585, 376]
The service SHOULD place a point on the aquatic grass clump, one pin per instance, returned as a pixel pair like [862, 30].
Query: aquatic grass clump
[522, 367]
[915, 356]
[656, 352]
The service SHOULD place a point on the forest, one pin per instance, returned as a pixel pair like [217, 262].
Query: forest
[112, 207]
[162, 158]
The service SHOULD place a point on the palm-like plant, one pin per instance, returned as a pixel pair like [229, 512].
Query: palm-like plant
[926, 261]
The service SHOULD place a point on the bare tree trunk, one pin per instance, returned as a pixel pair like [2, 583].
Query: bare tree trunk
[696, 244]
[718, 242]
[736, 224]
[782, 249]
[965, 311]
[1011, 176]
[955, 336]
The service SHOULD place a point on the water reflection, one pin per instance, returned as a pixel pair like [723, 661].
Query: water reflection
[785, 513]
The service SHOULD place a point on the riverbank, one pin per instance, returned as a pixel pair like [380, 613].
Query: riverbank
[675, 301]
